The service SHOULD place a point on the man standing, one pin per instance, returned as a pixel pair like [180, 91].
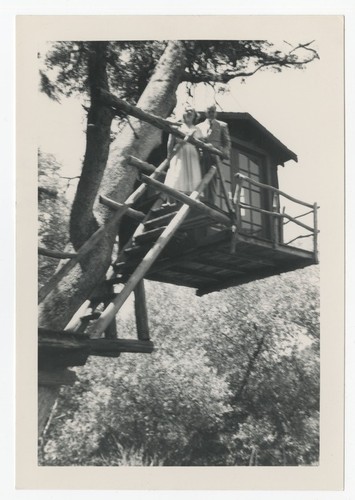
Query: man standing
[215, 133]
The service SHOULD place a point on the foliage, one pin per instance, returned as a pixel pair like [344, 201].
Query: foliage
[131, 64]
[234, 381]
[53, 213]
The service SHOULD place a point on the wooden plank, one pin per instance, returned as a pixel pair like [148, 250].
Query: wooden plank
[109, 313]
[140, 307]
[213, 214]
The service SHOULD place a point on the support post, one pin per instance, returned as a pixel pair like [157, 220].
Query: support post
[140, 307]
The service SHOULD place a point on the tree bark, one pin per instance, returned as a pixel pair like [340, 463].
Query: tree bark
[82, 221]
[115, 180]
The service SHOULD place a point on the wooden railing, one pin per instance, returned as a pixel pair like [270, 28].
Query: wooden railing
[277, 219]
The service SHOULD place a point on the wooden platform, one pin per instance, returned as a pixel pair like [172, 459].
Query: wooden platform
[199, 255]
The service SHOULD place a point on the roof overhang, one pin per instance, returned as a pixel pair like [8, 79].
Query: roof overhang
[282, 152]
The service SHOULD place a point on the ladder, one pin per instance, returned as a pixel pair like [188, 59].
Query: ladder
[147, 242]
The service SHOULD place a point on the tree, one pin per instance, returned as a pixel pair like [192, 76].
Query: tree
[156, 70]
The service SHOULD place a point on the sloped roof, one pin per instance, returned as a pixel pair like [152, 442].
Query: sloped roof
[283, 152]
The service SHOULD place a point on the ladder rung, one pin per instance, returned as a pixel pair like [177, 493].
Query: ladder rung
[156, 222]
[150, 235]
[91, 316]
[103, 298]
[137, 249]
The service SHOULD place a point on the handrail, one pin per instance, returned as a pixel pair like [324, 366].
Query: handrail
[274, 215]
[273, 189]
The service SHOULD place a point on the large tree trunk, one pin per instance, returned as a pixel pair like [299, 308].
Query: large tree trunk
[82, 221]
[159, 98]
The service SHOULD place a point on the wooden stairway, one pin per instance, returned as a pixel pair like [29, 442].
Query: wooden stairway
[72, 347]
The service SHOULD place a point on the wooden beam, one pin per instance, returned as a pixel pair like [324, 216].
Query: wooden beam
[56, 254]
[120, 105]
[113, 347]
[66, 346]
[110, 312]
[214, 214]
[140, 308]
[115, 205]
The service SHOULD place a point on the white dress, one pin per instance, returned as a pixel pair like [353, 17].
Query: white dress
[184, 172]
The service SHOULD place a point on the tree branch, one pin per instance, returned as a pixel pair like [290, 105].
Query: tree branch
[287, 61]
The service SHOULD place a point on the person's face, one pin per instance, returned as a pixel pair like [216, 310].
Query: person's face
[189, 117]
[211, 112]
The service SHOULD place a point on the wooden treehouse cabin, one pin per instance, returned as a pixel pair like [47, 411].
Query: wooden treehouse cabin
[235, 234]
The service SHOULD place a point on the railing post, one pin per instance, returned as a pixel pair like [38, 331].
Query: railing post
[315, 233]
[275, 222]
[236, 203]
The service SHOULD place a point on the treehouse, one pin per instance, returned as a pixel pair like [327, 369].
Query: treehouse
[237, 234]
[233, 229]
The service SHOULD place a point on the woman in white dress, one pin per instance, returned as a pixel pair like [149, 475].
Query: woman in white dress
[184, 172]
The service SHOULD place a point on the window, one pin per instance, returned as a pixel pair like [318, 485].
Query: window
[250, 194]
[219, 199]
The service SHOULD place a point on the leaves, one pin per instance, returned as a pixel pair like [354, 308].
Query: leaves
[183, 405]
[53, 213]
